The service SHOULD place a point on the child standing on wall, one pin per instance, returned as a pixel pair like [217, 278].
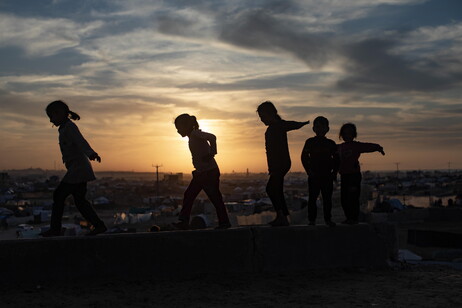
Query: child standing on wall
[206, 175]
[75, 151]
[320, 160]
[350, 173]
[278, 157]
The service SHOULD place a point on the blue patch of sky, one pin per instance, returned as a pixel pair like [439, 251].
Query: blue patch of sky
[77, 11]
[80, 10]
[407, 17]
[14, 62]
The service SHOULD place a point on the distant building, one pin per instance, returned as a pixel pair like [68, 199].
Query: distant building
[4, 177]
[173, 179]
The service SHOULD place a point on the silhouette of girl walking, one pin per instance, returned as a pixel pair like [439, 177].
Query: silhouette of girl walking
[206, 175]
[75, 151]
[278, 157]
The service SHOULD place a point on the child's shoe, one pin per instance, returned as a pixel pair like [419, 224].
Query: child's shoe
[181, 225]
[97, 230]
[350, 222]
[280, 221]
[226, 225]
[330, 223]
[50, 233]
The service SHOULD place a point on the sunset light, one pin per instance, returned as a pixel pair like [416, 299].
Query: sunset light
[129, 68]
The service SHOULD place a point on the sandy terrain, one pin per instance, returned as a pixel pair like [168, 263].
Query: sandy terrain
[409, 286]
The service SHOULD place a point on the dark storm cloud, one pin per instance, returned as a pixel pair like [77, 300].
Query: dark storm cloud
[371, 67]
[176, 25]
[407, 16]
[258, 29]
[369, 63]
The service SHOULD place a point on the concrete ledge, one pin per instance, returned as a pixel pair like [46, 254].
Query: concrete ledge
[301, 248]
[183, 253]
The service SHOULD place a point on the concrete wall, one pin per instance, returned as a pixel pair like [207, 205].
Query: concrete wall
[183, 253]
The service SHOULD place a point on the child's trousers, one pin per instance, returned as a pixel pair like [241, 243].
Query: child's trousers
[78, 191]
[275, 191]
[209, 181]
[350, 192]
[324, 186]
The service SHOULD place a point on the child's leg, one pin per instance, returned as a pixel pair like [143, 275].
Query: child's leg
[79, 192]
[211, 186]
[344, 195]
[275, 191]
[354, 195]
[313, 193]
[190, 195]
[326, 190]
[59, 197]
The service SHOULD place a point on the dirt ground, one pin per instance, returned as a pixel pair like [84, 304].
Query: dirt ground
[408, 286]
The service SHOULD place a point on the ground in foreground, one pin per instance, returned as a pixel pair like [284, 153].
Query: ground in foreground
[409, 286]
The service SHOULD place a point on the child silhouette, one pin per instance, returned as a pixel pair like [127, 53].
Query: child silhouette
[350, 173]
[75, 151]
[206, 175]
[278, 157]
[320, 160]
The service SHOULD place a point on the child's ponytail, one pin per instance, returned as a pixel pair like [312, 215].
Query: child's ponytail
[60, 105]
[187, 120]
[194, 123]
[73, 115]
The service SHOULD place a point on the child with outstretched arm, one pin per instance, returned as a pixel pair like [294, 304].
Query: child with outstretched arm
[278, 157]
[350, 173]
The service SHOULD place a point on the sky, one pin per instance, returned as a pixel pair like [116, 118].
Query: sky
[128, 68]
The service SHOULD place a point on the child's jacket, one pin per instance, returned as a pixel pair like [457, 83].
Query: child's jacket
[75, 151]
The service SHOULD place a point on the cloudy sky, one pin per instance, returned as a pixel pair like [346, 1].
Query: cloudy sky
[393, 67]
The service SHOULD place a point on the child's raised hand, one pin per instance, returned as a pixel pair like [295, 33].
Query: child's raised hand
[95, 156]
[381, 151]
